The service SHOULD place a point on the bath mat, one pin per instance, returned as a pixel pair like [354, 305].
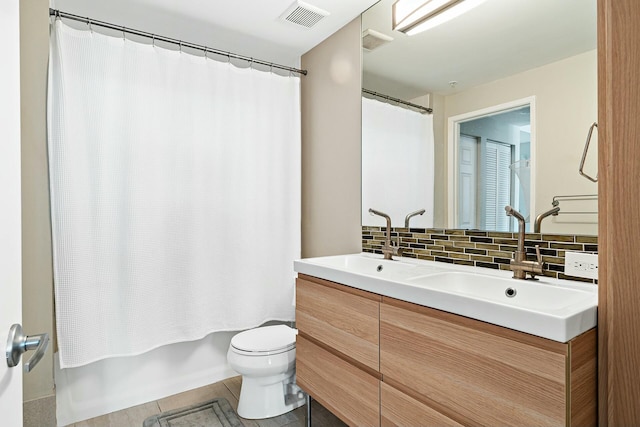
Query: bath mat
[214, 413]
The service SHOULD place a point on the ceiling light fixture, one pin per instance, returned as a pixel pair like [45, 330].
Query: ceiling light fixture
[415, 16]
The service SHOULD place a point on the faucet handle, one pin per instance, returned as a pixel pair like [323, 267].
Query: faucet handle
[538, 256]
[398, 250]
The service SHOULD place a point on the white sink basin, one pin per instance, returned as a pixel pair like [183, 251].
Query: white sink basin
[528, 294]
[363, 264]
[555, 309]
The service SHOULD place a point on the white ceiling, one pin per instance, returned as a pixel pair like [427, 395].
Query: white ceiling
[246, 27]
[496, 39]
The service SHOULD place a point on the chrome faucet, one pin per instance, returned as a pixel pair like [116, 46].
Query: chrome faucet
[408, 217]
[553, 211]
[519, 264]
[388, 249]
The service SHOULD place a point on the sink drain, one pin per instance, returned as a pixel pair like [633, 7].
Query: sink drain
[510, 292]
[379, 268]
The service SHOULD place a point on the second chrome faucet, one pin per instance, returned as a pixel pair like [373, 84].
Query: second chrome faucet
[519, 264]
[388, 249]
[411, 215]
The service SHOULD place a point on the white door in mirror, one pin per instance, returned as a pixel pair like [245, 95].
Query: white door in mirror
[580, 264]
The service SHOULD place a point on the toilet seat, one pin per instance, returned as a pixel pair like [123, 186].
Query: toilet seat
[264, 341]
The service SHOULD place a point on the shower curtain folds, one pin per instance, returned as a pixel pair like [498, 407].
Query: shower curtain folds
[175, 195]
[397, 163]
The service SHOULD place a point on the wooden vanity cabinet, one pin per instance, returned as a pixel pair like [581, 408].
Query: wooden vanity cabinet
[374, 360]
[337, 349]
[350, 393]
[474, 373]
[400, 409]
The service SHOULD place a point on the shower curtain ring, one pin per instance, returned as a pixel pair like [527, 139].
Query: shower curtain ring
[124, 37]
[180, 44]
[90, 27]
[153, 40]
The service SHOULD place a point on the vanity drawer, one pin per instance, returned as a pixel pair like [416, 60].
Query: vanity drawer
[399, 409]
[350, 393]
[343, 318]
[485, 374]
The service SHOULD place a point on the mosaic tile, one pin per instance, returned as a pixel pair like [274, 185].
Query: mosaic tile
[486, 249]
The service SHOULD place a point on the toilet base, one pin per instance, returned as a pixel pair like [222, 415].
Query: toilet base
[266, 397]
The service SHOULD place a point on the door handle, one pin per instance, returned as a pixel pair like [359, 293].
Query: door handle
[18, 343]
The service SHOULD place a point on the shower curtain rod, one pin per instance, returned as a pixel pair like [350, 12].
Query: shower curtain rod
[399, 101]
[154, 37]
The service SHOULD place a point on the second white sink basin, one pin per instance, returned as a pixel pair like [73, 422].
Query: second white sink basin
[550, 308]
[528, 294]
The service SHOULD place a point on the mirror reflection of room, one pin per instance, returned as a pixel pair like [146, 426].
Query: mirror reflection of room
[496, 54]
[494, 162]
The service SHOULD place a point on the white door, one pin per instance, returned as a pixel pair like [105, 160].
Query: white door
[496, 185]
[467, 182]
[10, 231]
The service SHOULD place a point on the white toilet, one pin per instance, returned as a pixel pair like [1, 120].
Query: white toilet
[266, 359]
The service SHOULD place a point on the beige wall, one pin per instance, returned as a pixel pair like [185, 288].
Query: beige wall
[440, 159]
[565, 106]
[331, 149]
[37, 281]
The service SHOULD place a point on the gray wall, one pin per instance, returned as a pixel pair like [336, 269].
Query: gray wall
[37, 277]
[331, 149]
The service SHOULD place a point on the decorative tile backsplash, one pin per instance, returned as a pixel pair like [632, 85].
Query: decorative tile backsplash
[489, 249]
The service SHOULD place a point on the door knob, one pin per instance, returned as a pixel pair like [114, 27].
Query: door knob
[18, 343]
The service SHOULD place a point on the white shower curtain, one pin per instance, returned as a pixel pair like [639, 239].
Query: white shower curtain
[397, 164]
[175, 195]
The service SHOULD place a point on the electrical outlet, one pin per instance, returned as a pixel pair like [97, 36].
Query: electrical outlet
[580, 264]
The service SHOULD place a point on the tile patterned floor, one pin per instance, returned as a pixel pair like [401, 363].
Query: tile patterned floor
[229, 389]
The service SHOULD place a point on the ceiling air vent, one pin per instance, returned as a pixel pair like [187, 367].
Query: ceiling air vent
[372, 39]
[303, 14]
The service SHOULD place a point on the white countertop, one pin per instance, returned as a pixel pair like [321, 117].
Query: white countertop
[550, 308]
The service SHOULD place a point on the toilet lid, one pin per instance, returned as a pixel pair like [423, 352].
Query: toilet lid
[265, 339]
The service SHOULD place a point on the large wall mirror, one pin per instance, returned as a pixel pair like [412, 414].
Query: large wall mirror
[531, 61]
